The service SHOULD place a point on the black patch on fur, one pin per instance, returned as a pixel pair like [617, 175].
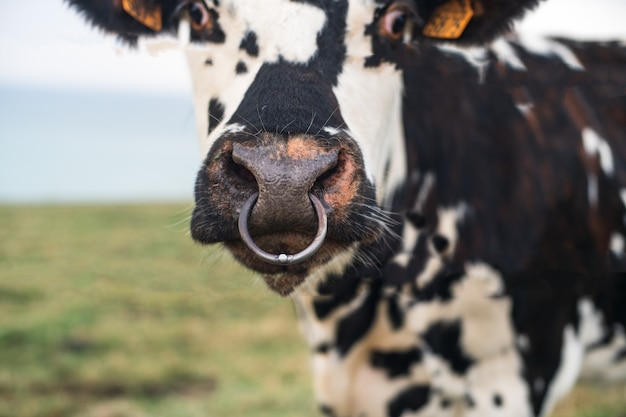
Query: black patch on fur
[249, 44]
[335, 291]
[327, 411]
[357, 323]
[411, 399]
[331, 49]
[372, 61]
[445, 403]
[544, 302]
[216, 112]
[288, 98]
[241, 68]
[317, 3]
[395, 273]
[208, 62]
[440, 286]
[444, 339]
[440, 243]
[323, 348]
[497, 400]
[396, 363]
[417, 219]
[394, 312]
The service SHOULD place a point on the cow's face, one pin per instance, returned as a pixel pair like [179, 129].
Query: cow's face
[298, 108]
[293, 104]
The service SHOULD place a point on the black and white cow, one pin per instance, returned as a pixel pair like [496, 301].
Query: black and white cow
[444, 205]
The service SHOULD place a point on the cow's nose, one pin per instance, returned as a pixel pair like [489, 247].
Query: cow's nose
[285, 173]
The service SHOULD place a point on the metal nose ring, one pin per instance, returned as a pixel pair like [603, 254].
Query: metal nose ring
[283, 258]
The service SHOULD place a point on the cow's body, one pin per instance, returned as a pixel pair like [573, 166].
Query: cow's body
[475, 198]
[508, 305]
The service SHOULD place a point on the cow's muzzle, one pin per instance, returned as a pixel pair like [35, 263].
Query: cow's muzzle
[284, 205]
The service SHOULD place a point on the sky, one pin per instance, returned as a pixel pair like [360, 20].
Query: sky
[43, 43]
[138, 101]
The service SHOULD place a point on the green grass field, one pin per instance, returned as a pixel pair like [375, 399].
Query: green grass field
[112, 311]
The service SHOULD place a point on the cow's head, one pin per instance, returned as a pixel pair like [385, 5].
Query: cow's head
[299, 111]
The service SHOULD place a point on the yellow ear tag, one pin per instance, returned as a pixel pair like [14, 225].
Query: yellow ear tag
[148, 16]
[449, 20]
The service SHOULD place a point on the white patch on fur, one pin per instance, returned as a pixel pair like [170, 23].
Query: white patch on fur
[427, 185]
[591, 323]
[487, 328]
[477, 57]
[283, 28]
[600, 364]
[596, 145]
[443, 378]
[488, 277]
[549, 47]
[233, 128]
[522, 342]
[184, 33]
[498, 375]
[372, 388]
[569, 369]
[410, 235]
[331, 131]
[433, 266]
[329, 379]
[332, 375]
[506, 54]
[525, 108]
[617, 244]
[336, 266]
[449, 219]
[373, 114]
[218, 81]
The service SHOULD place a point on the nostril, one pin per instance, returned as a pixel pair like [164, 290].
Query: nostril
[332, 175]
[241, 172]
[327, 178]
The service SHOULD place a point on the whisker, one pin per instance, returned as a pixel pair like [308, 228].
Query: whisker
[311, 123]
[327, 120]
[285, 127]
[258, 112]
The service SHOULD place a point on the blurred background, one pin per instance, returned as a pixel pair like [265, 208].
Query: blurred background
[107, 309]
[83, 119]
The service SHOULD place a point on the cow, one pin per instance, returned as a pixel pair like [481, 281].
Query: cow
[443, 200]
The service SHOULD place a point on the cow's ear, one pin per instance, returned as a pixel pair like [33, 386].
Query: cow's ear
[130, 19]
[469, 21]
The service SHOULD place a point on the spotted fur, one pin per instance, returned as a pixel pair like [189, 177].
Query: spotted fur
[475, 253]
